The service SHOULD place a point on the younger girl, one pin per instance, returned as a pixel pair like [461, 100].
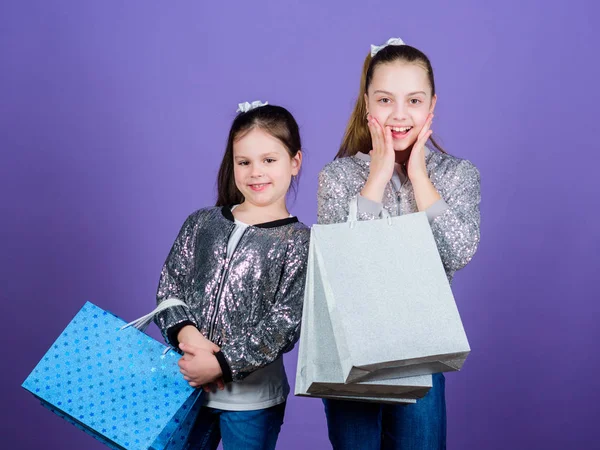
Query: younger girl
[240, 268]
[384, 161]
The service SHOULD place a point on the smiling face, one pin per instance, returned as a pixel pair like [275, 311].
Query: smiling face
[263, 168]
[400, 98]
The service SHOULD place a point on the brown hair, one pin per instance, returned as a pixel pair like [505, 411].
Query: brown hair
[275, 120]
[357, 137]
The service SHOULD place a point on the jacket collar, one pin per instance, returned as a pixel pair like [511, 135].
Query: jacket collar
[226, 211]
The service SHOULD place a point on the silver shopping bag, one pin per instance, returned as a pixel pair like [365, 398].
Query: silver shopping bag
[389, 301]
[319, 373]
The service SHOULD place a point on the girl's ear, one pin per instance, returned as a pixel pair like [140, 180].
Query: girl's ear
[296, 163]
[433, 102]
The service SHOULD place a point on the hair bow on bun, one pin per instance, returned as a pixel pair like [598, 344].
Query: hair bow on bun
[247, 106]
[391, 41]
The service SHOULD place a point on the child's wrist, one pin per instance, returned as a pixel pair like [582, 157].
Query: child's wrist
[373, 190]
[186, 332]
[376, 182]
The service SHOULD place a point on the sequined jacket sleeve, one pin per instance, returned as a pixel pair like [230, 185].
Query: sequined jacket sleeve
[334, 196]
[278, 331]
[174, 278]
[456, 230]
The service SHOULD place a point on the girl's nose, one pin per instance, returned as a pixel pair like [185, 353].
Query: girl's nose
[399, 112]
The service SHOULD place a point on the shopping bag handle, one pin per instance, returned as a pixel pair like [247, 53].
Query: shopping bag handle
[353, 213]
[143, 322]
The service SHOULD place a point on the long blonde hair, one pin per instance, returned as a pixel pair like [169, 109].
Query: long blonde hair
[357, 138]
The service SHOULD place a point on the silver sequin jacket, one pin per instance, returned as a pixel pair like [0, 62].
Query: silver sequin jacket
[249, 304]
[454, 223]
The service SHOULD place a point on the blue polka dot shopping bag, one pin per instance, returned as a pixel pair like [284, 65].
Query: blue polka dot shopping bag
[116, 383]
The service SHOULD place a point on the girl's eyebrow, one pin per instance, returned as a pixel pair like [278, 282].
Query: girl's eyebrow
[261, 156]
[379, 91]
[269, 154]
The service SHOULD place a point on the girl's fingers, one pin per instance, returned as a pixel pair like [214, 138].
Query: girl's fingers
[188, 348]
[426, 126]
[377, 136]
[423, 131]
[379, 128]
[427, 136]
[184, 371]
[374, 136]
[420, 144]
[423, 139]
[388, 140]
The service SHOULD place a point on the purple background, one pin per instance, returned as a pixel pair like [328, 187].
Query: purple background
[113, 117]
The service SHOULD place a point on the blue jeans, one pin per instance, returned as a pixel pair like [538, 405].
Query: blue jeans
[374, 426]
[247, 430]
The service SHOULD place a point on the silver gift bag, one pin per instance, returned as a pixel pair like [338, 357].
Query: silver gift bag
[390, 307]
[319, 373]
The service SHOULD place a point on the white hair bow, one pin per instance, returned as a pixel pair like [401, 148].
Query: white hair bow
[391, 41]
[247, 106]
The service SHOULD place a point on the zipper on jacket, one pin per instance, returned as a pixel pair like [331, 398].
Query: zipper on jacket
[224, 275]
[397, 197]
